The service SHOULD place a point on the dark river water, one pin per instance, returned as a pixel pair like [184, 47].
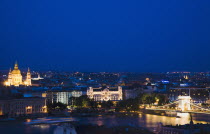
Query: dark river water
[148, 121]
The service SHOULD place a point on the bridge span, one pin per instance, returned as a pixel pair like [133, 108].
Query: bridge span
[184, 105]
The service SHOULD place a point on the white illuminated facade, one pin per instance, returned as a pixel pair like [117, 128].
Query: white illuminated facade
[62, 96]
[38, 78]
[105, 94]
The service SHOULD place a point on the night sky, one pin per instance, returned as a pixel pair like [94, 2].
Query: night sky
[105, 35]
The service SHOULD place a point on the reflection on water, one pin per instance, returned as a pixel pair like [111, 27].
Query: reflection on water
[28, 120]
[152, 120]
[144, 120]
[41, 126]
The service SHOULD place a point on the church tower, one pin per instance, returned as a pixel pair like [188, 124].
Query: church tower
[10, 76]
[9, 81]
[28, 78]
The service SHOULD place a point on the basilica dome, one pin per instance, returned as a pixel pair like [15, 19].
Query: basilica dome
[16, 70]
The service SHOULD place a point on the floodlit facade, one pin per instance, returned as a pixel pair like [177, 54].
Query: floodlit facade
[105, 94]
[15, 77]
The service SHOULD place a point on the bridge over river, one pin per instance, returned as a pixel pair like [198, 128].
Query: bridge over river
[184, 105]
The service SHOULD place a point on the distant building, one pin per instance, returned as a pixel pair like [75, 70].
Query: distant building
[38, 78]
[23, 106]
[62, 96]
[105, 93]
[198, 95]
[15, 78]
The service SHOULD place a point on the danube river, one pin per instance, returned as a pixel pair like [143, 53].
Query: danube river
[148, 121]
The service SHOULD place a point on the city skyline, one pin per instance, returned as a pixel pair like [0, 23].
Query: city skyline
[105, 67]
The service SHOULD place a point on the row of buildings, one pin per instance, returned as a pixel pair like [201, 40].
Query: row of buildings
[60, 87]
[24, 106]
[36, 102]
[97, 94]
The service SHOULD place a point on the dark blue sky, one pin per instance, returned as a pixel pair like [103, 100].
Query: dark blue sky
[106, 35]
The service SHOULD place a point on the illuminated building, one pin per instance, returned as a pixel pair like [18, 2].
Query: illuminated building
[15, 77]
[20, 107]
[28, 78]
[105, 94]
[62, 96]
[38, 78]
[186, 77]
